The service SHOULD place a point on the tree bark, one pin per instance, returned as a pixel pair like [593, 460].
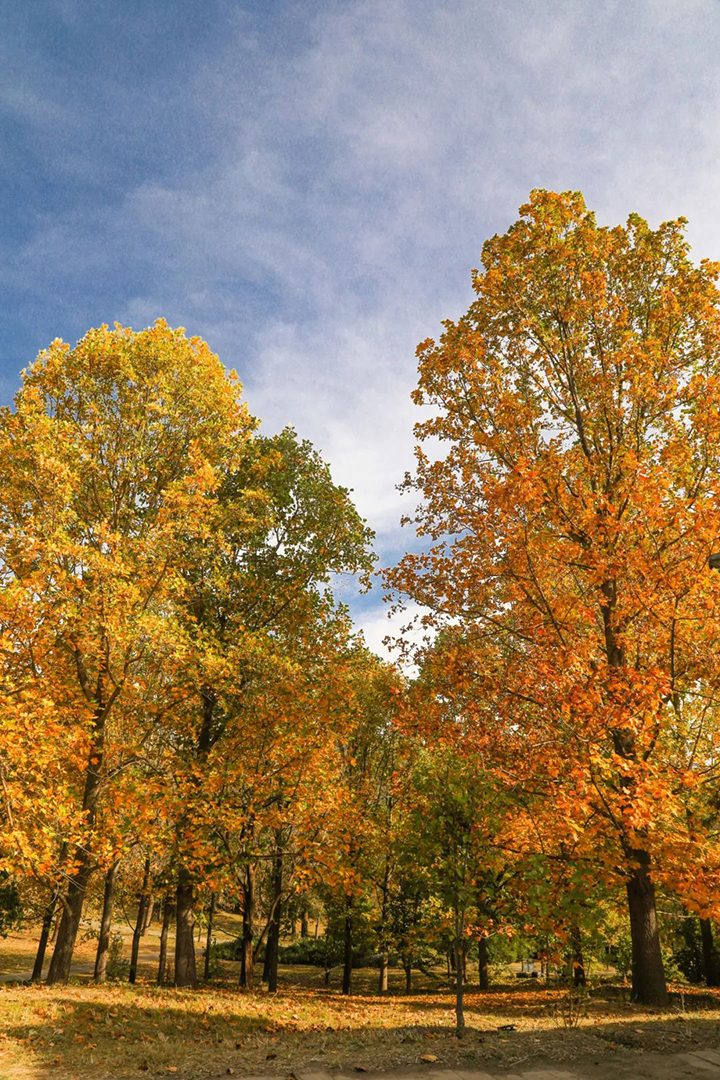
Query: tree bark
[459, 982]
[101, 956]
[710, 964]
[148, 915]
[185, 973]
[383, 973]
[140, 921]
[162, 961]
[246, 958]
[648, 976]
[384, 958]
[304, 925]
[44, 937]
[483, 976]
[272, 948]
[408, 978]
[208, 938]
[74, 897]
[70, 922]
[578, 962]
[348, 946]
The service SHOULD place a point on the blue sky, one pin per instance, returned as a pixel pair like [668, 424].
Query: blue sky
[308, 185]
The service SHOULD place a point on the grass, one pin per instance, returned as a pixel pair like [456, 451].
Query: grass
[118, 1030]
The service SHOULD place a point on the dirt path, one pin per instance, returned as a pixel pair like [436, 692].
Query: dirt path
[688, 1066]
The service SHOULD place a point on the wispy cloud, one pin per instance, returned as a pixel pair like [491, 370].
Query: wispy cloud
[309, 185]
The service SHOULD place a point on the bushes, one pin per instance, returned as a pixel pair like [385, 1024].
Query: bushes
[11, 911]
[320, 952]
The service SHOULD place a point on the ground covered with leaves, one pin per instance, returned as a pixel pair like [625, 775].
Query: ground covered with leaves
[118, 1030]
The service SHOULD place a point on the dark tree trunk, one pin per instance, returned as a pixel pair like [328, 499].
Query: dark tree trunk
[578, 963]
[140, 921]
[70, 922]
[185, 973]
[710, 964]
[384, 958]
[483, 977]
[162, 962]
[304, 925]
[408, 978]
[208, 937]
[648, 977]
[246, 958]
[459, 982]
[348, 946]
[101, 956]
[74, 897]
[44, 937]
[272, 948]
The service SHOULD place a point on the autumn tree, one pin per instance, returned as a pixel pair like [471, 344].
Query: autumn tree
[569, 479]
[262, 635]
[107, 464]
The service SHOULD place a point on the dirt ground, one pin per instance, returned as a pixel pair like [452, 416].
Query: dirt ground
[117, 1030]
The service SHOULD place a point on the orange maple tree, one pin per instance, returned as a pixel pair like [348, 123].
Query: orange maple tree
[569, 484]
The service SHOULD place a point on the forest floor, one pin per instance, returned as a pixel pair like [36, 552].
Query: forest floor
[81, 1030]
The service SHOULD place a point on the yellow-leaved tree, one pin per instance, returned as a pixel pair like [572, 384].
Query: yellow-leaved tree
[107, 464]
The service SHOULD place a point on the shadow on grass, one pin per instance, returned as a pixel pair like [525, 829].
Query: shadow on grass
[119, 1031]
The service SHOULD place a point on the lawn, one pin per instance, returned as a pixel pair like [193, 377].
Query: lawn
[118, 1030]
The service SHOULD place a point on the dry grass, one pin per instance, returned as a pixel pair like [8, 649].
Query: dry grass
[117, 1030]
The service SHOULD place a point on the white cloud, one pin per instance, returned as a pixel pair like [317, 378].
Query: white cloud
[352, 175]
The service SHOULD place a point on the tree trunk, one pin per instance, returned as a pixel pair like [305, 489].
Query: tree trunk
[70, 922]
[483, 977]
[383, 973]
[459, 983]
[140, 922]
[408, 978]
[317, 928]
[347, 951]
[710, 965]
[44, 937]
[246, 959]
[101, 956]
[77, 887]
[384, 959]
[185, 973]
[148, 915]
[578, 963]
[648, 977]
[208, 938]
[272, 948]
[304, 925]
[162, 961]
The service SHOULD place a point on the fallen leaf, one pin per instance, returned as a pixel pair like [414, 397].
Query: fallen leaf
[428, 1057]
